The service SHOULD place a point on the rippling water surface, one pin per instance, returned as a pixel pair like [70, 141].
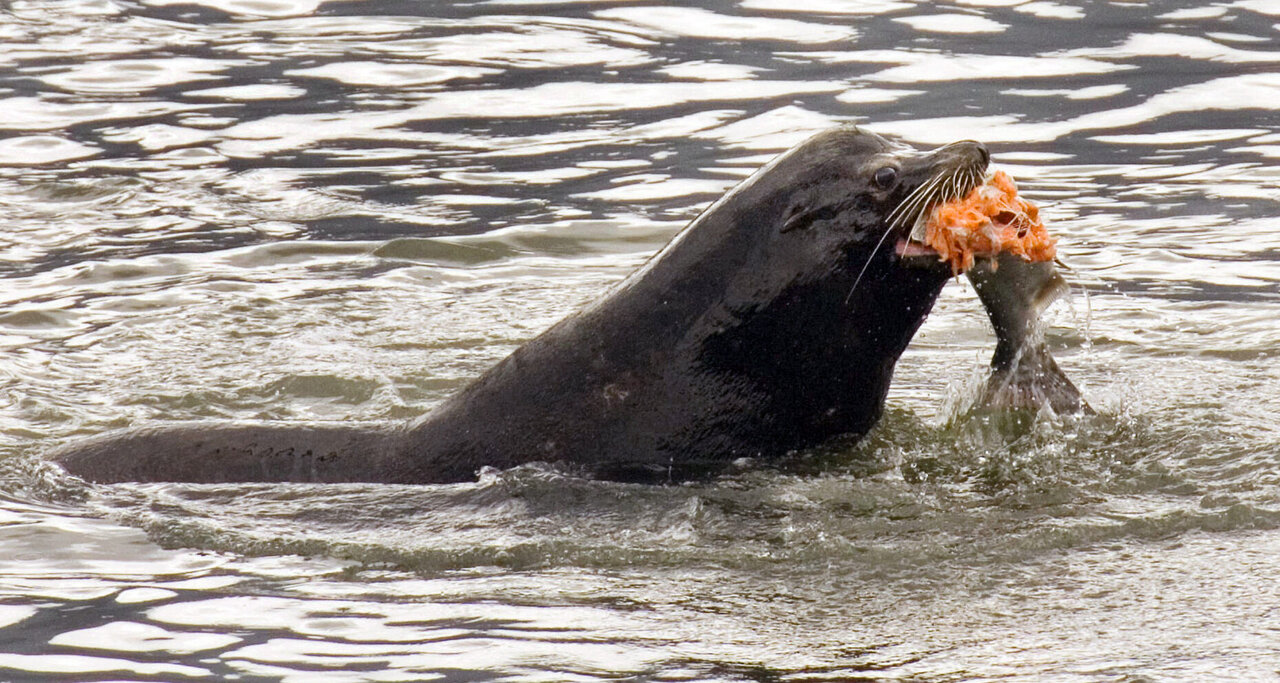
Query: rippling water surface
[309, 210]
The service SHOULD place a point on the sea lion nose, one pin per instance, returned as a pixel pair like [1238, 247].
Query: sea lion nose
[966, 152]
[976, 149]
[983, 153]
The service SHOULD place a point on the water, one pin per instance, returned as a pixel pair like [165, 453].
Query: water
[299, 210]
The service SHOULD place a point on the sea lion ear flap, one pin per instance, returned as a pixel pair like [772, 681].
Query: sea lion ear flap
[797, 218]
[800, 217]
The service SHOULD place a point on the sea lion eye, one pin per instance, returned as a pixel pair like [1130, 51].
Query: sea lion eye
[886, 177]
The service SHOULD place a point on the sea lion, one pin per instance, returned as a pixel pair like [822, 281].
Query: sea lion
[770, 323]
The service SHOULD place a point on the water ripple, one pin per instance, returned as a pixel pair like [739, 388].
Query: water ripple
[306, 210]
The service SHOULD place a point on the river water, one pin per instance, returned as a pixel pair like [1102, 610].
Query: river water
[313, 210]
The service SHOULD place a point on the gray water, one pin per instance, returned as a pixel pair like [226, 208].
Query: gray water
[311, 210]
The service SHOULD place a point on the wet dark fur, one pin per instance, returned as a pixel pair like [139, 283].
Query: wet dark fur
[771, 323]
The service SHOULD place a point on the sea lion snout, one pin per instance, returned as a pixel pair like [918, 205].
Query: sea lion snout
[963, 157]
[965, 153]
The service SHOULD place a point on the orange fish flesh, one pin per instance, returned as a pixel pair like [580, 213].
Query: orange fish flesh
[990, 220]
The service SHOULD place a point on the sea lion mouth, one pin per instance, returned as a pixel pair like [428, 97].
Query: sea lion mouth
[960, 168]
[910, 249]
[990, 219]
[912, 215]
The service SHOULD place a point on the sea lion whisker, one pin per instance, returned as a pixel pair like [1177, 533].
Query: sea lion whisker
[928, 191]
[909, 207]
[937, 192]
[901, 209]
[898, 211]
[955, 187]
[913, 213]
[866, 264]
[909, 211]
[922, 204]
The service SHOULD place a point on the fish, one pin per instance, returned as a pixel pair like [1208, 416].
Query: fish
[997, 239]
[1024, 376]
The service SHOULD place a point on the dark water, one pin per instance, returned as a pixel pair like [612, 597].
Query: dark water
[300, 210]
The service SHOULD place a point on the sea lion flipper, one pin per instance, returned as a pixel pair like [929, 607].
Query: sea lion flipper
[237, 452]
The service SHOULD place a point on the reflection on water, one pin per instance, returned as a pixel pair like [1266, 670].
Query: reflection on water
[301, 210]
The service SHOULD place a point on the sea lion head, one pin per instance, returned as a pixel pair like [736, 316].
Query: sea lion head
[834, 213]
[809, 281]
[876, 192]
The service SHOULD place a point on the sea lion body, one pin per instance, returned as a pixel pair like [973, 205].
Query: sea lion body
[771, 323]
